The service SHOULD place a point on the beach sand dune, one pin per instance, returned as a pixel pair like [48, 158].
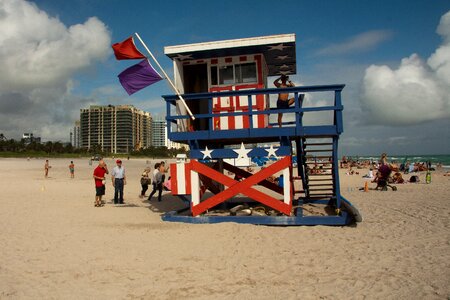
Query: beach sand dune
[56, 245]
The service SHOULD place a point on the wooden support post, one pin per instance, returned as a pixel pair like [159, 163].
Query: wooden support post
[195, 188]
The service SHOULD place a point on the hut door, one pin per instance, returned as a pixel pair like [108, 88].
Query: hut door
[195, 80]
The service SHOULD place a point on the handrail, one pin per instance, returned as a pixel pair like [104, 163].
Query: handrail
[299, 89]
[297, 109]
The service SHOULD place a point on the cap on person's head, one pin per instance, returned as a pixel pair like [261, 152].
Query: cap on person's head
[284, 76]
[118, 161]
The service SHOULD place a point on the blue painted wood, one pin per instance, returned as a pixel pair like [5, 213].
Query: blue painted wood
[338, 112]
[230, 153]
[299, 89]
[344, 219]
[336, 184]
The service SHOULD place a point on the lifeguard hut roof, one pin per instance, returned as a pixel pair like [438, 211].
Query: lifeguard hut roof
[278, 51]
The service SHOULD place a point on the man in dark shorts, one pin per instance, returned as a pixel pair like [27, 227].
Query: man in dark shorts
[283, 101]
[99, 179]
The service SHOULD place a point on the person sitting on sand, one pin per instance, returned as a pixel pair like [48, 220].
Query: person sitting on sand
[350, 171]
[397, 178]
[369, 175]
[343, 162]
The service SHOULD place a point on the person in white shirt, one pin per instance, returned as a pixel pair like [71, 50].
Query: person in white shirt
[118, 181]
[157, 182]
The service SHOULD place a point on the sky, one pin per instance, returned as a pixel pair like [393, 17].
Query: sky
[393, 56]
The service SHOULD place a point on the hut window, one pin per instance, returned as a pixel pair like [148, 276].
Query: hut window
[245, 73]
[214, 80]
[226, 75]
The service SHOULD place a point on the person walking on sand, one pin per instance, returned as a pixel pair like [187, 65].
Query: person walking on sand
[99, 179]
[283, 101]
[157, 182]
[118, 181]
[46, 168]
[163, 171]
[145, 181]
[72, 169]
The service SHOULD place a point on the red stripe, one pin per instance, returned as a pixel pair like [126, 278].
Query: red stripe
[231, 122]
[187, 173]
[245, 120]
[243, 58]
[214, 61]
[259, 68]
[261, 121]
[260, 102]
[173, 178]
[228, 59]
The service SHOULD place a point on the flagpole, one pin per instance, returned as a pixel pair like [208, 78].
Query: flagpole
[167, 77]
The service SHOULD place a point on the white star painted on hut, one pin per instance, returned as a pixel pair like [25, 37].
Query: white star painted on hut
[282, 57]
[183, 57]
[280, 47]
[206, 153]
[242, 152]
[271, 152]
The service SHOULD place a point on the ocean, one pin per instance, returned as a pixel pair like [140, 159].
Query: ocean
[444, 159]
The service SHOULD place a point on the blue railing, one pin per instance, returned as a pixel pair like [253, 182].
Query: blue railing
[293, 128]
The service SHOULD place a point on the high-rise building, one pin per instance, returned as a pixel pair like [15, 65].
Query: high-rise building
[76, 135]
[159, 132]
[30, 138]
[115, 129]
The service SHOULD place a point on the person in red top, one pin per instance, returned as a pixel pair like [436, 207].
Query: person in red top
[99, 179]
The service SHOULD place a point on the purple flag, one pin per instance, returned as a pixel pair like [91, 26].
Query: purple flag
[139, 76]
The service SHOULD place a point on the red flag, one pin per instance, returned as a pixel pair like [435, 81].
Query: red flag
[127, 50]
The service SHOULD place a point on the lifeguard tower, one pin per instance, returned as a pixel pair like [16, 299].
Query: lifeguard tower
[295, 180]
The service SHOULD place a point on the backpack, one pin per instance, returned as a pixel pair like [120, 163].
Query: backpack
[145, 180]
[414, 178]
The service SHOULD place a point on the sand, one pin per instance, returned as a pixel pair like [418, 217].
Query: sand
[56, 245]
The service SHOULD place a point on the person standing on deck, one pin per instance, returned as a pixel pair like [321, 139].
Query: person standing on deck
[283, 101]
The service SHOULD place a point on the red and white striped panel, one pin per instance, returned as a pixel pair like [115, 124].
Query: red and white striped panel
[239, 104]
[180, 176]
[259, 103]
[223, 105]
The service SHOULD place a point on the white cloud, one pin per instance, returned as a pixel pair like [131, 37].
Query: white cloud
[39, 55]
[361, 42]
[416, 92]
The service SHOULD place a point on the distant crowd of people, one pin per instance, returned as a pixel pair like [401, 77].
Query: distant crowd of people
[385, 172]
[405, 167]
